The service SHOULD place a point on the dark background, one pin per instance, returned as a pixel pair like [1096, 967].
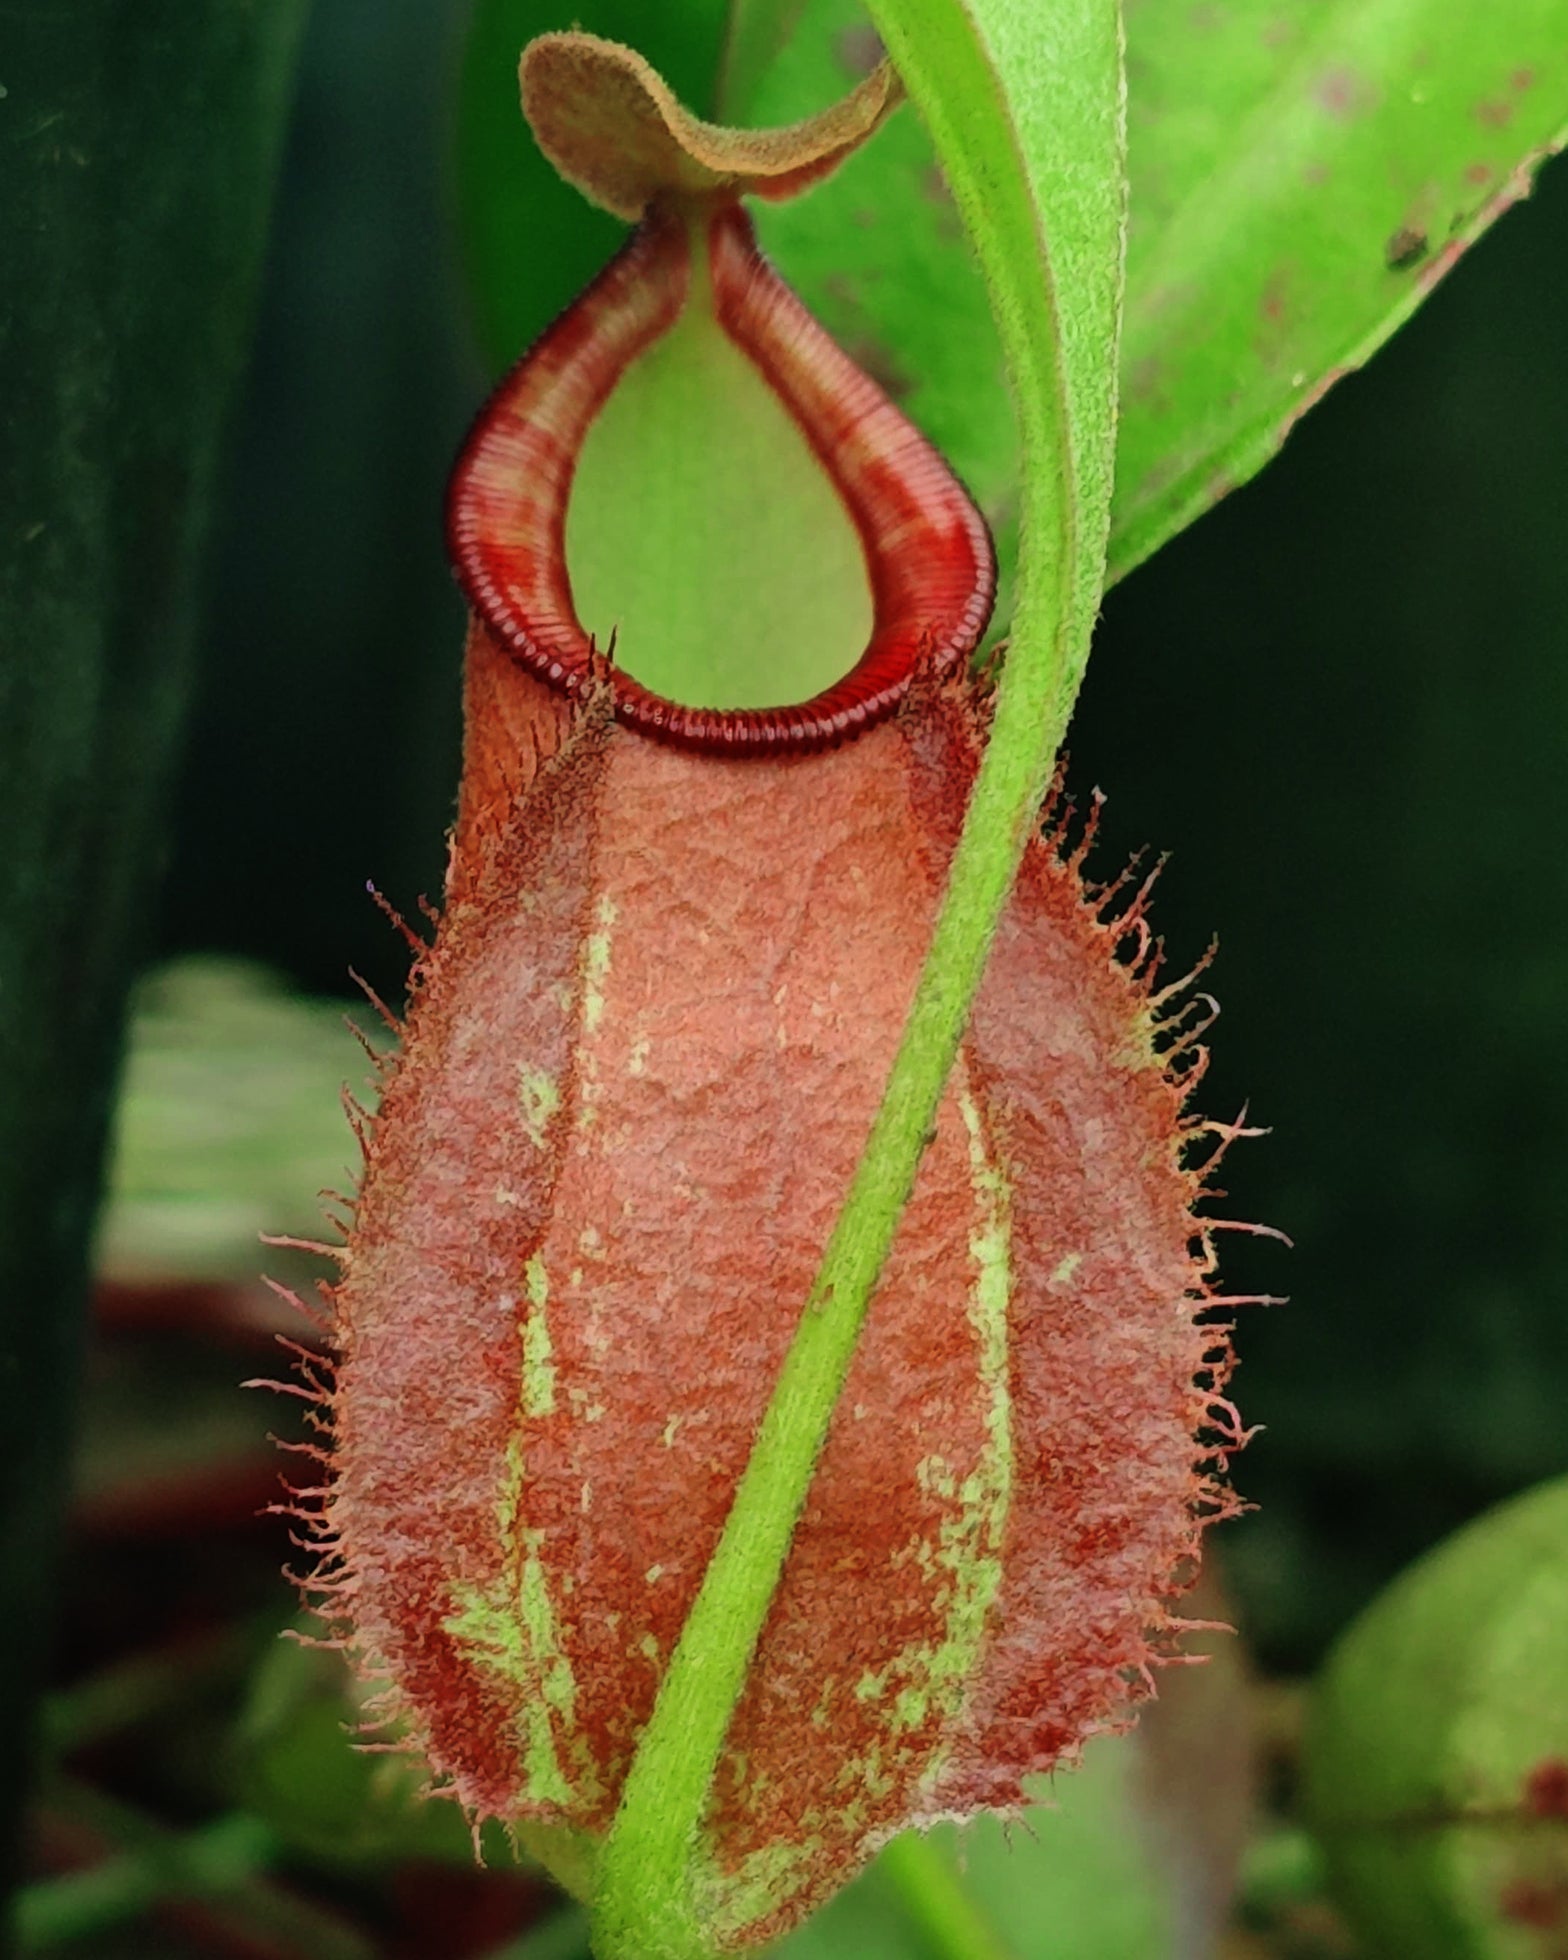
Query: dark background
[1340, 702]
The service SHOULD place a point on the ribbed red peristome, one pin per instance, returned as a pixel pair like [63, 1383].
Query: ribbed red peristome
[928, 554]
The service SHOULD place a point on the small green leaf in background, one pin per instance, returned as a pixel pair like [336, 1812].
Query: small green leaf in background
[229, 1121]
[140, 140]
[1436, 1763]
[300, 1769]
[1074, 1879]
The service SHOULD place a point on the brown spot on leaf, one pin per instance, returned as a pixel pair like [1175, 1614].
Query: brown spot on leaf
[894, 381]
[1546, 1788]
[1524, 1902]
[1146, 376]
[1521, 79]
[1220, 486]
[1405, 248]
[933, 187]
[1441, 262]
[1514, 187]
[1493, 114]
[859, 49]
[1342, 93]
[1278, 314]
[1478, 173]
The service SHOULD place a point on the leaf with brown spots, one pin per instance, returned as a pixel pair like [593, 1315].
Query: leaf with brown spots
[1436, 1762]
[1273, 146]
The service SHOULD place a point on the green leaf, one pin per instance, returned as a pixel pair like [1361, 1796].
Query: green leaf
[222, 1863]
[229, 1122]
[1280, 156]
[1024, 104]
[1075, 1878]
[757, 33]
[140, 140]
[1302, 176]
[1436, 1760]
[301, 1770]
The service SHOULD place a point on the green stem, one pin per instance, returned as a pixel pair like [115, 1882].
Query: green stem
[221, 1861]
[563, 1936]
[932, 1897]
[644, 1906]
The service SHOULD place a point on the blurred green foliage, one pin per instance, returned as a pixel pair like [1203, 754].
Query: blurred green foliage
[1436, 1767]
[139, 144]
[300, 1769]
[230, 1120]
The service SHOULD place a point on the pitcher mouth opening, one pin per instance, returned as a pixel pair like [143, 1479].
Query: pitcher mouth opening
[928, 556]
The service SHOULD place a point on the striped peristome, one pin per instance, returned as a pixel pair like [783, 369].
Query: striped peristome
[638, 1069]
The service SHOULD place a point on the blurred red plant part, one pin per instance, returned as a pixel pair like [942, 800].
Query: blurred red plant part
[927, 552]
[1198, 1762]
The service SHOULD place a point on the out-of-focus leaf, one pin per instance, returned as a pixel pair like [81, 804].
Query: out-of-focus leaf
[229, 1121]
[1436, 1763]
[1077, 1878]
[1131, 1856]
[757, 32]
[140, 139]
[340, 1805]
[140, 1468]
